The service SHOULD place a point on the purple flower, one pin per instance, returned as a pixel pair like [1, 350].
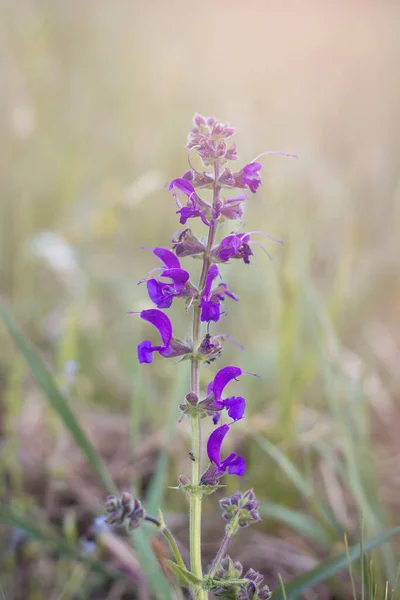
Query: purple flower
[196, 207]
[249, 177]
[234, 463]
[163, 324]
[234, 246]
[235, 405]
[162, 294]
[233, 208]
[211, 299]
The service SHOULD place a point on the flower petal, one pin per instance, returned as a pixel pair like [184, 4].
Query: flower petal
[160, 321]
[178, 276]
[213, 272]
[158, 293]
[183, 185]
[235, 465]
[145, 352]
[222, 378]
[236, 407]
[215, 442]
[210, 311]
[167, 257]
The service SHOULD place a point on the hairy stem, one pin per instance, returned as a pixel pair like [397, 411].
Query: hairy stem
[196, 495]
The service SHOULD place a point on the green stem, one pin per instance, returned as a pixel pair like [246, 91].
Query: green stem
[169, 537]
[196, 494]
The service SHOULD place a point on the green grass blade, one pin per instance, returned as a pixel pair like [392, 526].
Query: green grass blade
[301, 484]
[331, 566]
[57, 400]
[298, 521]
[157, 485]
[150, 566]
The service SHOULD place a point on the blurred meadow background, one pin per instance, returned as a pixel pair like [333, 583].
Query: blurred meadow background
[96, 101]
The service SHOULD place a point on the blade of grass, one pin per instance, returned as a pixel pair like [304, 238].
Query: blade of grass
[302, 485]
[57, 400]
[157, 485]
[303, 524]
[331, 566]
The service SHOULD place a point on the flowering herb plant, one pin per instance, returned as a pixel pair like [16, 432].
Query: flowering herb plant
[211, 139]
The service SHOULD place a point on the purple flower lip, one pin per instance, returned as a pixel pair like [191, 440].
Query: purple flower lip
[234, 463]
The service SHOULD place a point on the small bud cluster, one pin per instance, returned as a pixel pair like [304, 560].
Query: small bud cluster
[125, 508]
[251, 589]
[242, 506]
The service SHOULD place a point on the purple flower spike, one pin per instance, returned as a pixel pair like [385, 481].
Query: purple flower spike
[234, 463]
[162, 323]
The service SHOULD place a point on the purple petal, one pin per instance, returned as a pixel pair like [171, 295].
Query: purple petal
[222, 378]
[167, 257]
[187, 213]
[159, 293]
[236, 407]
[215, 442]
[178, 276]
[210, 311]
[235, 465]
[213, 272]
[145, 352]
[183, 185]
[252, 168]
[160, 321]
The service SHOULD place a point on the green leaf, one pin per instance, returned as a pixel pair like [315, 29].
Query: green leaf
[298, 521]
[58, 401]
[329, 567]
[184, 577]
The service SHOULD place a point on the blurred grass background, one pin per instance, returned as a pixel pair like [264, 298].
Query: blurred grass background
[96, 102]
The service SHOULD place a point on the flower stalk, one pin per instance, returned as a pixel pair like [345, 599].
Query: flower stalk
[196, 494]
[167, 283]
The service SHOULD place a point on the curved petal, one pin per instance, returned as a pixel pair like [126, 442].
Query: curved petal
[160, 321]
[215, 442]
[167, 257]
[178, 276]
[222, 378]
[213, 272]
[183, 185]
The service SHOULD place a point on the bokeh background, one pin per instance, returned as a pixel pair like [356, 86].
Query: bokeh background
[96, 102]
